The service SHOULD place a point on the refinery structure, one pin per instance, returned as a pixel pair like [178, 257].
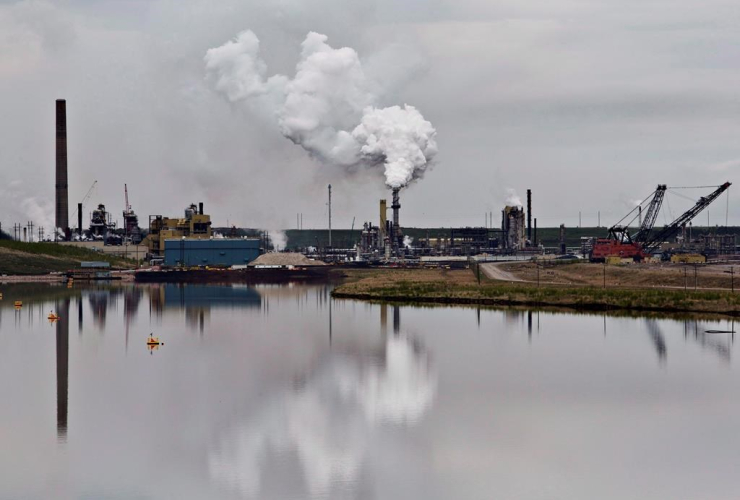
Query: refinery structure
[191, 240]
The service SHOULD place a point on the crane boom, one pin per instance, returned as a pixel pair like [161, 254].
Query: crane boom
[87, 197]
[652, 214]
[675, 226]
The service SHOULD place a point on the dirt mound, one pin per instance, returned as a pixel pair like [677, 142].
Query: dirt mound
[284, 259]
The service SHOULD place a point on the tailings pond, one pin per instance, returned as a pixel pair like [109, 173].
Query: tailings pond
[280, 392]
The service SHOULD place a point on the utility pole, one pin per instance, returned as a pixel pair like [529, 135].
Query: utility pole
[604, 274]
[329, 215]
[579, 218]
[685, 278]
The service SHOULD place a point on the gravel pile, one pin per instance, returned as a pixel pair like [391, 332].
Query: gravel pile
[284, 259]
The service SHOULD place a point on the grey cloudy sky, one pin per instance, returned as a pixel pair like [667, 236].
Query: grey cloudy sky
[588, 103]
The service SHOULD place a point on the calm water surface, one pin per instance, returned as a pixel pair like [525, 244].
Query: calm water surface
[280, 392]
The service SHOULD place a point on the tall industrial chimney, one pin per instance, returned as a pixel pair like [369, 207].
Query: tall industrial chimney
[383, 215]
[62, 195]
[79, 219]
[396, 236]
[529, 215]
[329, 215]
[200, 208]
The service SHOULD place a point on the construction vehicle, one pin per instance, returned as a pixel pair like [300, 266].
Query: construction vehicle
[620, 243]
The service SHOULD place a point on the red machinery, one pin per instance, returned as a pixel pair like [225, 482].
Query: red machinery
[620, 243]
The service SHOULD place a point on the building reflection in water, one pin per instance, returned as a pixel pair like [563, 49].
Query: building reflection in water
[198, 300]
[99, 306]
[329, 420]
[62, 358]
[131, 299]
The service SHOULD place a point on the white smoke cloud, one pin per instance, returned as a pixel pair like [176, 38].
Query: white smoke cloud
[26, 207]
[512, 199]
[278, 238]
[328, 108]
[408, 241]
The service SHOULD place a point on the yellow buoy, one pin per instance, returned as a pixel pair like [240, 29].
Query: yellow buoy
[153, 341]
[52, 316]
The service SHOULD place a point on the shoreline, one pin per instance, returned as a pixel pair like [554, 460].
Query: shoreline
[574, 306]
[461, 287]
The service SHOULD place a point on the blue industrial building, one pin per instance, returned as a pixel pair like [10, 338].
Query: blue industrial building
[211, 252]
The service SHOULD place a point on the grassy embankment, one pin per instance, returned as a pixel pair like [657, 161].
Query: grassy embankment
[462, 287]
[19, 258]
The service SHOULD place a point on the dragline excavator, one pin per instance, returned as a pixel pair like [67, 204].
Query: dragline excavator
[620, 243]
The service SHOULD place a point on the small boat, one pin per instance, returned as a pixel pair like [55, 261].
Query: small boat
[719, 331]
[53, 317]
[18, 303]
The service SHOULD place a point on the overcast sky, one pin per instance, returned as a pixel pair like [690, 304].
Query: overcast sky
[589, 103]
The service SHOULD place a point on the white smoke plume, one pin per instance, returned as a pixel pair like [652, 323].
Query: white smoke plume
[278, 238]
[408, 241]
[512, 199]
[328, 107]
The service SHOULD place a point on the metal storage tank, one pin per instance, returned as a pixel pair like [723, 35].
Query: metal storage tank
[215, 252]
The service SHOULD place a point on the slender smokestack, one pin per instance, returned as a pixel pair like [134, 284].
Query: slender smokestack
[79, 219]
[200, 208]
[62, 207]
[383, 214]
[529, 214]
[396, 227]
[535, 232]
[329, 215]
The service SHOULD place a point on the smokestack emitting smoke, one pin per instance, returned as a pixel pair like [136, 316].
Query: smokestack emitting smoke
[62, 208]
[397, 238]
[328, 107]
[512, 199]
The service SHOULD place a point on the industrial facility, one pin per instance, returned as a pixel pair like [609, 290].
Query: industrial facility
[190, 241]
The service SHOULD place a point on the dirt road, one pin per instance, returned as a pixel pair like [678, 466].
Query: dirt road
[493, 271]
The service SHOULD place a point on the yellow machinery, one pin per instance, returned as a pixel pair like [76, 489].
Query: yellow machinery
[688, 258]
[195, 225]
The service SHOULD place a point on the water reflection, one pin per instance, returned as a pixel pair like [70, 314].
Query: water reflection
[395, 401]
[328, 419]
[656, 335]
[198, 300]
[62, 362]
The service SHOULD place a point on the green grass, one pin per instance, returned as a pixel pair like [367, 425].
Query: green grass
[490, 292]
[43, 258]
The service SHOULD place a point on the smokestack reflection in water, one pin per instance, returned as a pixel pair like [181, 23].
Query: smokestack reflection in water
[62, 347]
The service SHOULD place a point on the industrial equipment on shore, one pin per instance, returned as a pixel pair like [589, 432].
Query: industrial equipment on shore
[645, 242]
[132, 232]
[195, 225]
[102, 227]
